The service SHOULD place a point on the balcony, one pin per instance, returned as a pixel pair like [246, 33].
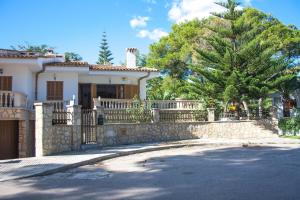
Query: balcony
[148, 104]
[9, 99]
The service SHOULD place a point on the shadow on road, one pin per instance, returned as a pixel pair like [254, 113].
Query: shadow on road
[224, 173]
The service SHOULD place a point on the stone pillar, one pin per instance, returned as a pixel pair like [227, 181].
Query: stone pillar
[155, 112]
[74, 112]
[74, 120]
[43, 128]
[24, 147]
[99, 129]
[211, 114]
[274, 113]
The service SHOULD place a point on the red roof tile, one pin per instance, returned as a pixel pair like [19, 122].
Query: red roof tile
[99, 67]
[68, 64]
[120, 68]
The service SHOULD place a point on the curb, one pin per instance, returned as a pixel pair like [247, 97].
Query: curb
[116, 155]
[150, 149]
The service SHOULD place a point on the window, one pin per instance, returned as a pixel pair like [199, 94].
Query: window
[54, 90]
[6, 83]
[106, 91]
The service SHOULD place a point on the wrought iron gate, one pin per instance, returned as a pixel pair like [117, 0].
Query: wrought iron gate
[88, 126]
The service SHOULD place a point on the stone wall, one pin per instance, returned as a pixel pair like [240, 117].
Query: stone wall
[51, 139]
[118, 134]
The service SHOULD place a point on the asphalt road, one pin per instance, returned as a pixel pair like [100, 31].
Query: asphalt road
[256, 173]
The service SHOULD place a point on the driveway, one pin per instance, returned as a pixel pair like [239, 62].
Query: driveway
[228, 172]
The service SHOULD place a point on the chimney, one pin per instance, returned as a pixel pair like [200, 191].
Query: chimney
[131, 57]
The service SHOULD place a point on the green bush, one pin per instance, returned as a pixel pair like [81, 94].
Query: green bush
[291, 124]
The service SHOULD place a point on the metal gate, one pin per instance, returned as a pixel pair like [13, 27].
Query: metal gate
[88, 126]
[9, 132]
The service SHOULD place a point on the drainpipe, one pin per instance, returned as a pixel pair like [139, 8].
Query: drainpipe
[139, 82]
[36, 81]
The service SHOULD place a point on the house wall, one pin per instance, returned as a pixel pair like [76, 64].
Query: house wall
[106, 79]
[23, 79]
[296, 95]
[70, 84]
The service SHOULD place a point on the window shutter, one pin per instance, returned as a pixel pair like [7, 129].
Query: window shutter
[54, 90]
[6, 83]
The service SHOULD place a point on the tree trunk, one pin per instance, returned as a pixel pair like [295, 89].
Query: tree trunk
[246, 108]
[225, 107]
[260, 107]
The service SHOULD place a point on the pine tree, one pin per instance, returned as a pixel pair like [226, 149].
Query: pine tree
[105, 55]
[245, 60]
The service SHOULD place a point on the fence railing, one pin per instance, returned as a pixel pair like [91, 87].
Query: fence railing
[61, 117]
[182, 115]
[11, 99]
[127, 115]
[252, 115]
[58, 105]
[147, 104]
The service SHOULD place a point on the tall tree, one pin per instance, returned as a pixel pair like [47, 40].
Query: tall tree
[105, 55]
[71, 56]
[243, 61]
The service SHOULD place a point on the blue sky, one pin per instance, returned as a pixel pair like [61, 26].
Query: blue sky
[77, 25]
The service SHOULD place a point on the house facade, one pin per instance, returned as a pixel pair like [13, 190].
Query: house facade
[286, 109]
[27, 77]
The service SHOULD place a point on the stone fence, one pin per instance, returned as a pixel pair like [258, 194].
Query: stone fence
[55, 138]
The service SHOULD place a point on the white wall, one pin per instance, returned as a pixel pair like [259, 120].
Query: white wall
[23, 79]
[296, 95]
[70, 84]
[106, 79]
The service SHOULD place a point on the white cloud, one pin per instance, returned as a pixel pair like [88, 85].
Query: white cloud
[155, 34]
[185, 10]
[139, 21]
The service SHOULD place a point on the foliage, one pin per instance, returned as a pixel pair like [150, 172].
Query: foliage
[71, 56]
[173, 53]
[167, 88]
[246, 58]
[291, 124]
[200, 115]
[141, 59]
[105, 55]
[139, 113]
[43, 48]
[236, 56]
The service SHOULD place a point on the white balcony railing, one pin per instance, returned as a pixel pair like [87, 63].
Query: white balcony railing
[9, 99]
[160, 104]
[58, 105]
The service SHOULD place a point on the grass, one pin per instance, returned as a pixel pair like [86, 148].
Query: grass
[290, 136]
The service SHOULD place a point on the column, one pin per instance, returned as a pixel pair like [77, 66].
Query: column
[43, 128]
[211, 114]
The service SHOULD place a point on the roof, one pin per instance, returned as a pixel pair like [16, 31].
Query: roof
[99, 67]
[67, 64]
[120, 68]
[10, 53]
[29, 56]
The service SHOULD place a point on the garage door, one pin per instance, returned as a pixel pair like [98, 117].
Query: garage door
[9, 139]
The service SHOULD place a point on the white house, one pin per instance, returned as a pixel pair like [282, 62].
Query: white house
[286, 109]
[29, 77]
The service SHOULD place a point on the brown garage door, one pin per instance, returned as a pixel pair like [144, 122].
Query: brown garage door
[9, 139]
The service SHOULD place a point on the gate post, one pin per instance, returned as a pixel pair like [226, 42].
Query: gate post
[74, 112]
[156, 117]
[43, 128]
[211, 114]
[99, 110]
[74, 119]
